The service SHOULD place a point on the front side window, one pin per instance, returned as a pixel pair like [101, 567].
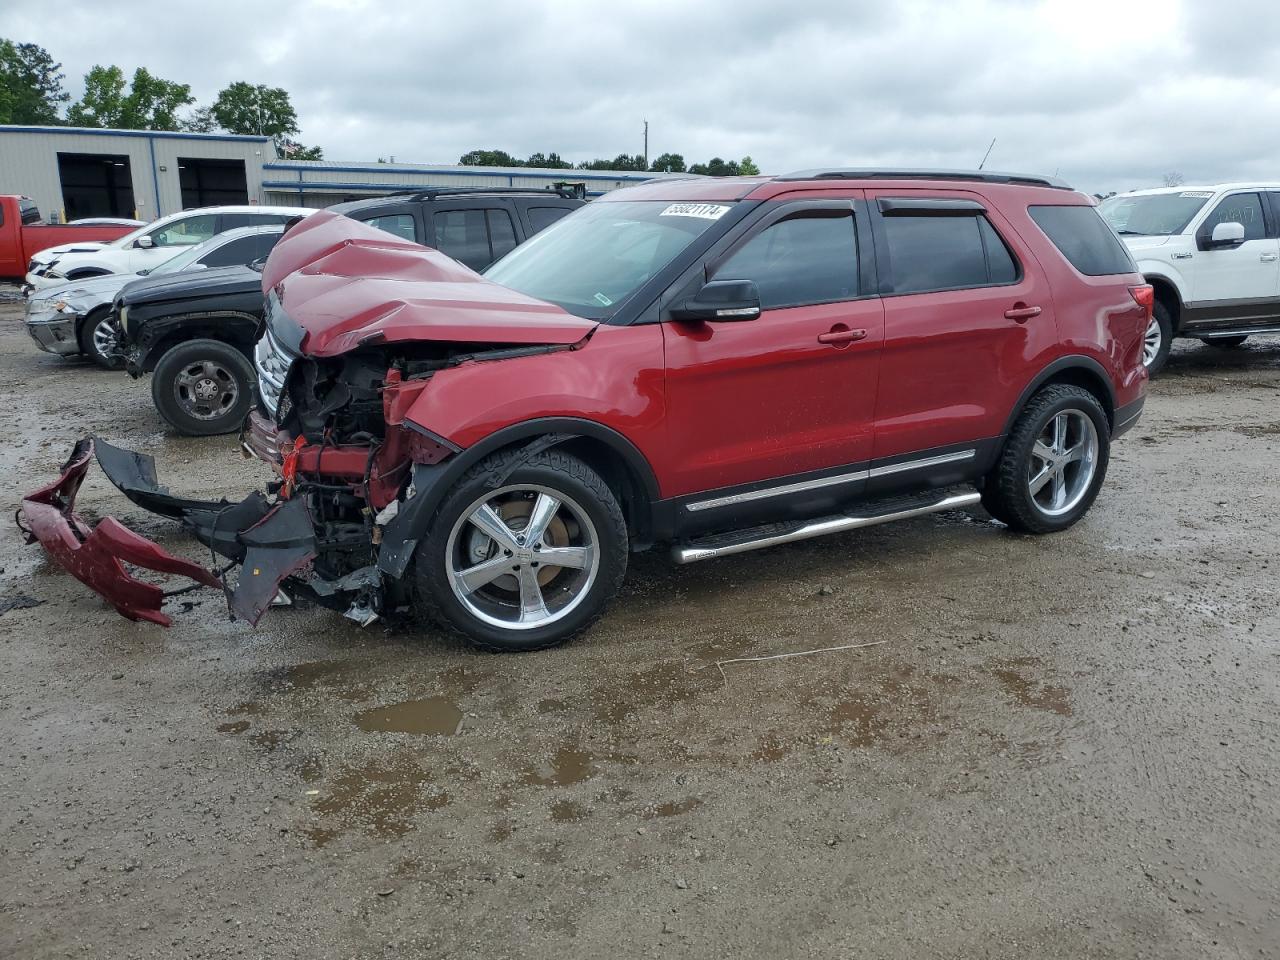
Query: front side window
[397, 224]
[185, 232]
[1153, 214]
[1243, 208]
[930, 253]
[804, 259]
[590, 262]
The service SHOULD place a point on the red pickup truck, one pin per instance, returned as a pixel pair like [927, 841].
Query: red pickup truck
[22, 235]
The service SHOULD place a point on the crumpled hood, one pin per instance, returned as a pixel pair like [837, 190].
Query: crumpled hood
[345, 283]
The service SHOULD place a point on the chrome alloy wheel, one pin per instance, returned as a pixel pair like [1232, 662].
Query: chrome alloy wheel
[206, 389]
[1063, 462]
[1151, 342]
[104, 338]
[522, 557]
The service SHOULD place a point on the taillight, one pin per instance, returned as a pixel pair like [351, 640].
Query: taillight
[1144, 296]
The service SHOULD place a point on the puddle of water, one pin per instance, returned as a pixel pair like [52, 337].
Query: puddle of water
[568, 811]
[434, 715]
[569, 765]
[238, 726]
[380, 797]
[1029, 693]
[305, 676]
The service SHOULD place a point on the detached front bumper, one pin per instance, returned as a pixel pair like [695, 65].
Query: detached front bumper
[273, 541]
[57, 335]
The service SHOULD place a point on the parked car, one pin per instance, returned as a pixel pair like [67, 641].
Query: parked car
[23, 235]
[1213, 256]
[195, 334]
[722, 365]
[108, 221]
[76, 317]
[148, 247]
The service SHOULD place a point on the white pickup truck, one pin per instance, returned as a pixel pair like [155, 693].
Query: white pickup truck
[1213, 256]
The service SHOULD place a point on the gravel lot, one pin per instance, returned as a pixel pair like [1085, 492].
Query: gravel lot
[1062, 747]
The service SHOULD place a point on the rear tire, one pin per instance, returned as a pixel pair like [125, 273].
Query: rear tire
[203, 388]
[1159, 339]
[99, 340]
[1226, 343]
[478, 575]
[1053, 462]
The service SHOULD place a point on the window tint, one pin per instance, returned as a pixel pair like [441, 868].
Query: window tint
[502, 234]
[241, 250]
[945, 253]
[802, 260]
[399, 224]
[461, 234]
[1245, 208]
[1084, 238]
[183, 233]
[542, 217]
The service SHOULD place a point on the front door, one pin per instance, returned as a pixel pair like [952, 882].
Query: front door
[792, 391]
[1227, 279]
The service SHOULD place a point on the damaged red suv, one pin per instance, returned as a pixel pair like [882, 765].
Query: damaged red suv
[721, 365]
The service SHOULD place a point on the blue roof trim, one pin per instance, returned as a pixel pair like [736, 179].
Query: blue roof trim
[299, 186]
[150, 134]
[459, 171]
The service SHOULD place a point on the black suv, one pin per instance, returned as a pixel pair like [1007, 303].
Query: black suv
[196, 334]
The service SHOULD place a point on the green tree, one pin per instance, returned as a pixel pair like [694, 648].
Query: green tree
[489, 158]
[248, 109]
[200, 120]
[147, 102]
[550, 161]
[621, 162]
[30, 85]
[747, 167]
[293, 150]
[716, 167]
[668, 163]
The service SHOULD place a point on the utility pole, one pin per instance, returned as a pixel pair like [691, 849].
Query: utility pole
[646, 144]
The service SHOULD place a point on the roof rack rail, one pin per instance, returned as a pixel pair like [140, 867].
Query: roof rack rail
[566, 189]
[978, 176]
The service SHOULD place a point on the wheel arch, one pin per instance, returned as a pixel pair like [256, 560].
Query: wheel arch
[230, 327]
[83, 273]
[1077, 370]
[1168, 295]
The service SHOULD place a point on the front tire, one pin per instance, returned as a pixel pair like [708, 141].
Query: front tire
[99, 340]
[1159, 339]
[203, 388]
[525, 563]
[1053, 463]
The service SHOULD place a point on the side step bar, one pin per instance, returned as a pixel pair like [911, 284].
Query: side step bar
[769, 535]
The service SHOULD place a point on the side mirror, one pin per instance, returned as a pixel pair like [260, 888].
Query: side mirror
[721, 300]
[144, 243]
[1230, 234]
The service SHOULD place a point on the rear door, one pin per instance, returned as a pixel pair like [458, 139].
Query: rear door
[792, 392]
[475, 232]
[966, 312]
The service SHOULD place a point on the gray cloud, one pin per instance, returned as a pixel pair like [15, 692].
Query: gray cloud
[1109, 95]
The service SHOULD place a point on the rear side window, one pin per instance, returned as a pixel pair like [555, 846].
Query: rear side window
[542, 217]
[242, 250]
[1084, 238]
[930, 253]
[398, 224]
[806, 259]
[462, 234]
[502, 234]
[1242, 208]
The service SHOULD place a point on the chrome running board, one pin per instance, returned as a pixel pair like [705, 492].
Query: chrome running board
[769, 535]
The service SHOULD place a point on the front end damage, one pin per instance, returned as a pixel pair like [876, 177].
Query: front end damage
[356, 477]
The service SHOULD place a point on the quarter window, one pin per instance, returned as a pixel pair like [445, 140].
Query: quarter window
[1243, 208]
[928, 253]
[805, 259]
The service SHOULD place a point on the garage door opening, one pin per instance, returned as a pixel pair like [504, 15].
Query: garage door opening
[95, 185]
[209, 183]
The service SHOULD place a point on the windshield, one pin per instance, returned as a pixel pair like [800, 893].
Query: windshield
[591, 261]
[1153, 214]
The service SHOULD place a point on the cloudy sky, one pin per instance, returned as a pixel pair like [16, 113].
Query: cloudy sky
[1110, 94]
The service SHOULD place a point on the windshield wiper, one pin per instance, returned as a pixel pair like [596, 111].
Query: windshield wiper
[1132, 233]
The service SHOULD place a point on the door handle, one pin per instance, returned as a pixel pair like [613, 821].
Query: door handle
[839, 335]
[1269, 258]
[1022, 313]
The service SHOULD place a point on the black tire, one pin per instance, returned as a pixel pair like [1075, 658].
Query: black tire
[1006, 492]
[91, 329]
[192, 367]
[1165, 322]
[1226, 343]
[559, 474]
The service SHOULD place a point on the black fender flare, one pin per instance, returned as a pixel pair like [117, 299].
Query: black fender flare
[1061, 365]
[431, 482]
[164, 326]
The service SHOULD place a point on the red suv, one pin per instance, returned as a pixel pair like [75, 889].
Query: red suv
[720, 364]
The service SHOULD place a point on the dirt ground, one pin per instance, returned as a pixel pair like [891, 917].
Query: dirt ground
[1063, 747]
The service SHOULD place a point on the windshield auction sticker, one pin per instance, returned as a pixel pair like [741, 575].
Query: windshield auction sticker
[703, 211]
[1196, 194]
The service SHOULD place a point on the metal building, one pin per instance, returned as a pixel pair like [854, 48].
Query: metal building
[307, 183]
[74, 172]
